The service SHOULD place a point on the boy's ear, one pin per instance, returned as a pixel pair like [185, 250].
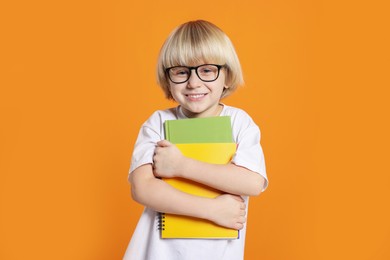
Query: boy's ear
[225, 88]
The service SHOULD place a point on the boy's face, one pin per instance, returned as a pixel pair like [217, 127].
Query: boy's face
[198, 98]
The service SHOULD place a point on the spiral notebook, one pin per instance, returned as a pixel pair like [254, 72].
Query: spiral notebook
[208, 140]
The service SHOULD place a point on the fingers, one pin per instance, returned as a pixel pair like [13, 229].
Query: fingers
[241, 220]
[163, 143]
[241, 200]
[240, 223]
[160, 145]
[159, 148]
[239, 226]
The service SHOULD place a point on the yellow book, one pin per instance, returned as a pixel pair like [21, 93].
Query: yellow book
[176, 226]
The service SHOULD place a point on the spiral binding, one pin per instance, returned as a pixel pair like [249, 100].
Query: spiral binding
[161, 221]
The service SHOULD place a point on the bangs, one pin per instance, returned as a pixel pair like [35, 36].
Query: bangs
[193, 47]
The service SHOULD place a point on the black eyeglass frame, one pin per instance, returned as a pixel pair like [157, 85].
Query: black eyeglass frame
[196, 71]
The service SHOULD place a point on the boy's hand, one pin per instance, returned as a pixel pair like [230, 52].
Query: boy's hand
[229, 211]
[167, 160]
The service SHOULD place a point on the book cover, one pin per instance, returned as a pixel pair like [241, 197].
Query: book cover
[199, 130]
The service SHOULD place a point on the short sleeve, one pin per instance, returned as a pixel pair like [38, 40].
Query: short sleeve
[249, 152]
[148, 136]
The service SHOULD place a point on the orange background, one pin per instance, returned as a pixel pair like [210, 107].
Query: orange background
[77, 81]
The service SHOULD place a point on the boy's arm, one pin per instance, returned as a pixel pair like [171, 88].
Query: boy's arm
[226, 210]
[230, 178]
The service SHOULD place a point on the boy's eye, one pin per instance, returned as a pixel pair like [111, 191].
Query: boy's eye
[180, 71]
[207, 69]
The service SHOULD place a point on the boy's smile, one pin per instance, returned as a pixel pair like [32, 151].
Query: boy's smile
[195, 97]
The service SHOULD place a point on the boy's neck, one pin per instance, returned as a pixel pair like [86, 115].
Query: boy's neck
[217, 112]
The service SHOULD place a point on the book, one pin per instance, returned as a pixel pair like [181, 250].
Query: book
[199, 130]
[208, 140]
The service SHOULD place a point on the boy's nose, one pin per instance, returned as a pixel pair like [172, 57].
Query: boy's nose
[194, 81]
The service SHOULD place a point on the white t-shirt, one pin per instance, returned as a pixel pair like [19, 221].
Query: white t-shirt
[146, 243]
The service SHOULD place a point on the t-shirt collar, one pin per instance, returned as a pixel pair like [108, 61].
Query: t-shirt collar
[181, 115]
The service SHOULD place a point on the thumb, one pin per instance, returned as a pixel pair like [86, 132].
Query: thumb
[164, 143]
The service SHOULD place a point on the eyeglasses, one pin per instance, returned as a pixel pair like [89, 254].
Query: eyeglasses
[206, 73]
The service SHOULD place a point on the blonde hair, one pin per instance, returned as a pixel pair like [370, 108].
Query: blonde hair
[199, 41]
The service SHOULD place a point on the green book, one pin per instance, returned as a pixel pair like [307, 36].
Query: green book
[199, 130]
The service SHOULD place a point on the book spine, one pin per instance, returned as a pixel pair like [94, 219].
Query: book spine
[166, 129]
